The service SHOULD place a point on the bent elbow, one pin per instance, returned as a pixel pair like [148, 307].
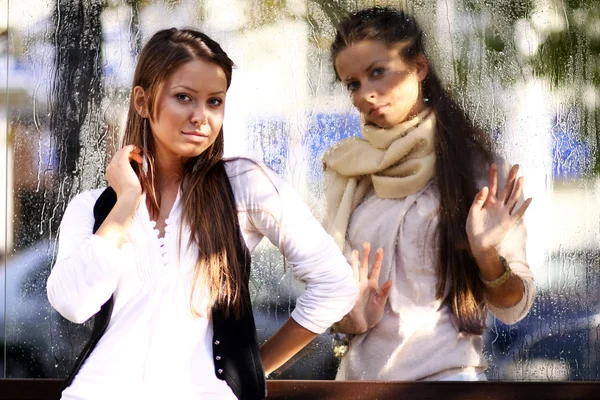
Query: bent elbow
[73, 314]
[69, 308]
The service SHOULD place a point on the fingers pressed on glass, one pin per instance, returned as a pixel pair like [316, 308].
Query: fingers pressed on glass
[516, 194]
[493, 187]
[385, 289]
[364, 264]
[376, 269]
[482, 197]
[521, 211]
[509, 188]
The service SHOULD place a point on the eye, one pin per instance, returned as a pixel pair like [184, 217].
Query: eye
[215, 101]
[377, 72]
[352, 86]
[183, 97]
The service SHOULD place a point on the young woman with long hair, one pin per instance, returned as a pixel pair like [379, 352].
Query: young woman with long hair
[171, 255]
[422, 185]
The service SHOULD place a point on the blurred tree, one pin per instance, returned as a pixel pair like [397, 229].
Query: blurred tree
[134, 28]
[76, 93]
[563, 38]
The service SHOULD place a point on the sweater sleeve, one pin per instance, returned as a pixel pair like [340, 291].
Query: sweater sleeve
[87, 270]
[513, 249]
[273, 209]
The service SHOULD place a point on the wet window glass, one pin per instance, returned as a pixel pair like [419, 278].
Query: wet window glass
[526, 71]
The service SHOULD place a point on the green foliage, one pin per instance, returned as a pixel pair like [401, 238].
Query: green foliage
[493, 41]
[572, 4]
[520, 9]
[558, 57]
[264, 12]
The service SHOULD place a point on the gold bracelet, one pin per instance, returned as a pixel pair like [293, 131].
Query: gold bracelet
[501, 279]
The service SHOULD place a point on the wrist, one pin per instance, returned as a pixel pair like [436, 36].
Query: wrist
[483, 255]
[489, 263]
[498, 281]
[129, 197]
[351, 324]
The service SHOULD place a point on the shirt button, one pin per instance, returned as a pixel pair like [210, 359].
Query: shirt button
[220, 371]
[168, 228]
[217, 342]
[217, 358]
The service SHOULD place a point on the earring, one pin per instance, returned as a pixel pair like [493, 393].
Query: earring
[426, 99]
[145, 165]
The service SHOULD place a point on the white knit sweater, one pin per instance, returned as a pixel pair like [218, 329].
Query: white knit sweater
[416, 339]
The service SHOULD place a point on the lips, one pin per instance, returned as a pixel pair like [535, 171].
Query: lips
[195, 133]
[377, 110]
[196, 136]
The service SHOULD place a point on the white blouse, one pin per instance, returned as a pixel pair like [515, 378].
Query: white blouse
[154, 347]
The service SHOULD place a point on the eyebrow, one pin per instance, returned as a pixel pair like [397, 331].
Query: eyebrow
[195, 91]
[369, 67]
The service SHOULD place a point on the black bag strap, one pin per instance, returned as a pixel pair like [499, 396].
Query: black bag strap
[102, 208]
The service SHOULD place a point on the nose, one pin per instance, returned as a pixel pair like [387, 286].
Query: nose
[199, 116]
[366, 94]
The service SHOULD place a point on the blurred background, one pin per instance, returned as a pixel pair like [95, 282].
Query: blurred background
[528, 71]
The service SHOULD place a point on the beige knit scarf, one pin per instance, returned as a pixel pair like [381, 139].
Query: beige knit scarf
[397, 162]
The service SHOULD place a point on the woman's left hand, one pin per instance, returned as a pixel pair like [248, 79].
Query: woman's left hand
[492, 215]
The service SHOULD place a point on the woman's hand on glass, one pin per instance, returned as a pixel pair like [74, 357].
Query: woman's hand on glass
[369, 306]
[492, 215]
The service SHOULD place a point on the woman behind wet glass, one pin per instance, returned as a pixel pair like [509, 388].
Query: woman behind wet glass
[421, 187]
[172, 251]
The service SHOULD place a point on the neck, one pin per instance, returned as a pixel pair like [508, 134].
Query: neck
[168, 174]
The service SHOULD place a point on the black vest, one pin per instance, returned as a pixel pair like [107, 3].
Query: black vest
[235, 345]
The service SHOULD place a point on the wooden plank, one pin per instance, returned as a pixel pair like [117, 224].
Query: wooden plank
[48, 389]
[355, 390]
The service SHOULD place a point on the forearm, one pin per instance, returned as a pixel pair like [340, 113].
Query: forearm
[115, 226]
[282, 346]
[80, 283]
[510, 292]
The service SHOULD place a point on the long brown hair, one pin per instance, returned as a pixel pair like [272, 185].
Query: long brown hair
[208, 208]
[460, 145]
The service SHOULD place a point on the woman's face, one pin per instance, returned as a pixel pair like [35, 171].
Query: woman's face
[188, 110]
[383, 87]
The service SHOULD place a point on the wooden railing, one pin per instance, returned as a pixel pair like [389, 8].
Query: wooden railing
[48, 389]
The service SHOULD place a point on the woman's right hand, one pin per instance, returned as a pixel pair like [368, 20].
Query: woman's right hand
[370, 304]
[120, 175]
[122, 178]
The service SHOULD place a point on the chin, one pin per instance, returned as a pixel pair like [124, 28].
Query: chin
[382, 121]
[383, 124]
